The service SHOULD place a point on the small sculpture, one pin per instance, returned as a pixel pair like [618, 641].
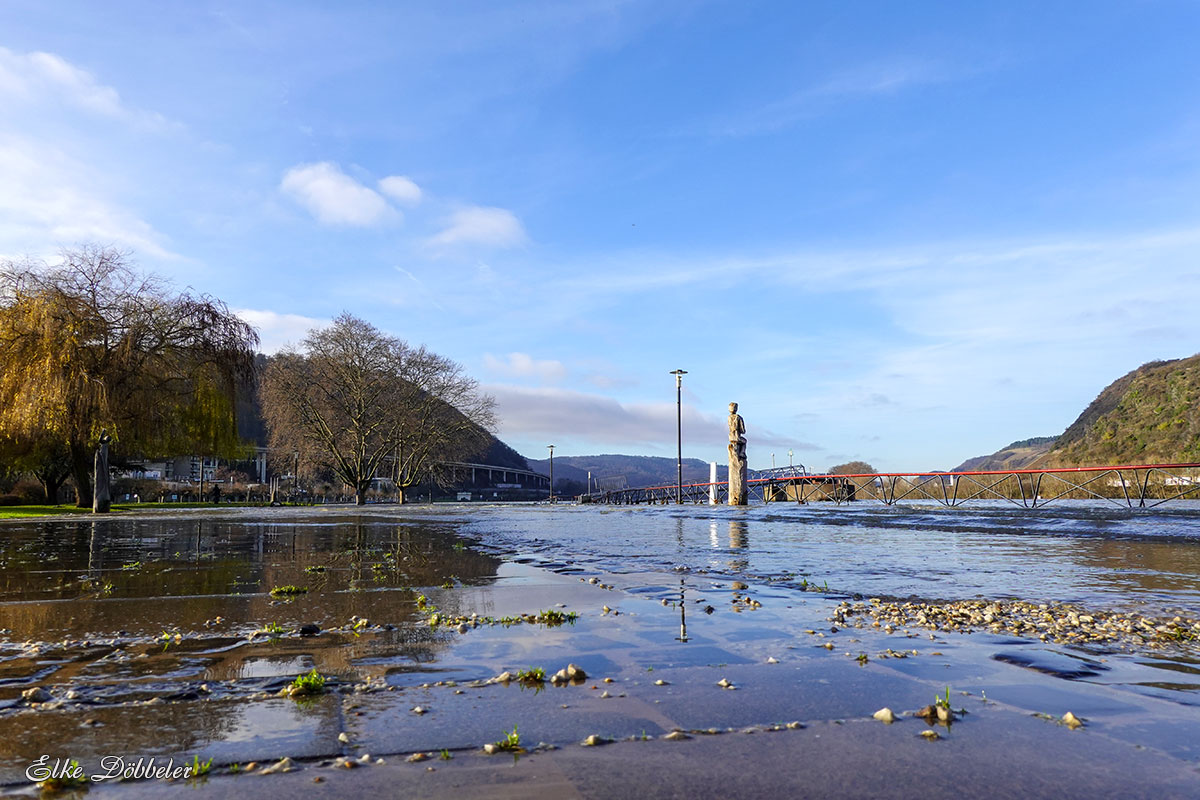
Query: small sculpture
[101, 498]
[737, 457]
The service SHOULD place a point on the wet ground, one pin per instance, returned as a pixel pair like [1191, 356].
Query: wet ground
[159, 637]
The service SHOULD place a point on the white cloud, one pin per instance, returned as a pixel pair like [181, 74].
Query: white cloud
[401, 189]
[594, 420]
[482, 225]
[39, 77]
[550, 412]
[275, 330]
[333, 197]
[523, 365]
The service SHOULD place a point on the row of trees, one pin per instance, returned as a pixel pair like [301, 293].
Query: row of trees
[91, 346]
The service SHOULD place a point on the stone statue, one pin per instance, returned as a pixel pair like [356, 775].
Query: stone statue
[101, 499]
[737, 457]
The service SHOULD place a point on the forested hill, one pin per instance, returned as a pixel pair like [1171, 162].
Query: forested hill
[638, 470]
[1150, 415]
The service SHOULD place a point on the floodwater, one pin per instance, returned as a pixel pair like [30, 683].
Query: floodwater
[143, 629]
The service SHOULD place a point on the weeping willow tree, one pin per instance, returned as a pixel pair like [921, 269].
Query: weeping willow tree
[89, 344]
[367, 405]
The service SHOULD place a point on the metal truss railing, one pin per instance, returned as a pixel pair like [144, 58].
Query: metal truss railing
[1141, 486]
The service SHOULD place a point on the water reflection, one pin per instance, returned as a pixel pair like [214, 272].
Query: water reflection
[107, 599]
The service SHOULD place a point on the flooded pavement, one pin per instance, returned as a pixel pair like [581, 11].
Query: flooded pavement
[159, 636]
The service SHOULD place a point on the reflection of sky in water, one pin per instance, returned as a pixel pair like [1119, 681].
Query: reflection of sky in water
[1076, 552]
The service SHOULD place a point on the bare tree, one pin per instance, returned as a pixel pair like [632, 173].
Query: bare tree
[359, 401]
[90, 344]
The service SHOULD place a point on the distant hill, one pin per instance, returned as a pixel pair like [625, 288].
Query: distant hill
[1017, 455]
[1149, 415]
[637, 470]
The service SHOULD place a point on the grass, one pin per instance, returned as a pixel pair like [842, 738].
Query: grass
[445, 755]
[942, 702]
[308, 684]
[73, 779]
[274, 629]
[511, 741]
[20, 512]
[198, 767]
[288, 591]
[533, 675]
[315, 569]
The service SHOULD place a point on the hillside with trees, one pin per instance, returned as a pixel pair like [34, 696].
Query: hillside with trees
[1149, 415]
[1017, 455]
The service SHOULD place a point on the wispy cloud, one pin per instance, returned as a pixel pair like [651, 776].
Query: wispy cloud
[481, 225]
[49, 199]
[40, 78]
[869, 80]
[523, 365]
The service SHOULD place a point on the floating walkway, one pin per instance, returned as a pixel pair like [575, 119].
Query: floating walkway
[1141, 486]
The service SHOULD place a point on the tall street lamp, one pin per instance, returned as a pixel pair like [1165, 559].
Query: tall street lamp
[679, 373]
[551, 472]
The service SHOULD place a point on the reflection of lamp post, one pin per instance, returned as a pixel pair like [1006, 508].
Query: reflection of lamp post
[790, 467]
[679, 373]
[551, 472]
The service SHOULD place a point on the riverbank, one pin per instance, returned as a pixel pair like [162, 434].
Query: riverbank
[708, 677]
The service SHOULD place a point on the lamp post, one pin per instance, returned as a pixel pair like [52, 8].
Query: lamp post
[679, 373]
[551, 472]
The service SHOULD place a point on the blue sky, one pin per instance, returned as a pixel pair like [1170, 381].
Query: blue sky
[907, 233]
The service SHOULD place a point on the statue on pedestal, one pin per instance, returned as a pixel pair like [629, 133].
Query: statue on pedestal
[737, 457]
[102, 500]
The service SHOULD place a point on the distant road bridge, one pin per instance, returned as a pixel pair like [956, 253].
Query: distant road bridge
[1127, 486]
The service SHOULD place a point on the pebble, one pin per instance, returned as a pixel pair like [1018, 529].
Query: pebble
[35, 694]
[594, 740]
[417, 757]
[676, 736]
[661, 682]
[1072, 721]
[419, 710]
[490, 748]
[344, 737]
[284, 764]
[885, 715]
[725, 683]
[931, 735]
[772, 660]
[1059, 623]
